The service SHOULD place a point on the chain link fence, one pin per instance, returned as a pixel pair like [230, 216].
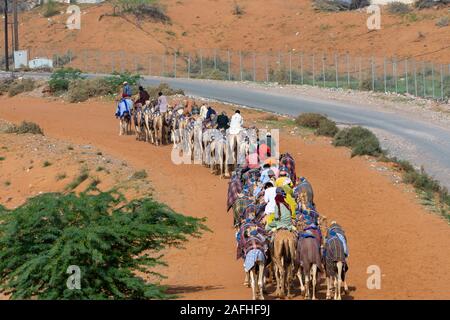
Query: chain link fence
[403, 76]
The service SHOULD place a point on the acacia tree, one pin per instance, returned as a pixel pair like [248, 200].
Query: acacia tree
[108, 238]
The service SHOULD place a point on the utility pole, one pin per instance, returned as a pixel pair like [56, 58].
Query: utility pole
[6, 35]
[16, 25]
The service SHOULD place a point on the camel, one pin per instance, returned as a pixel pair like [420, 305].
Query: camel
[218, 152]
[257, 280]
[138, 120]
[232, 150]
[158, 126]
[125, 119]
[283, 258]
[335, 263]
[309, 262]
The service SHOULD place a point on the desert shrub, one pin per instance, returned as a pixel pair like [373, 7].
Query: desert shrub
[327, 128]
[336, 5]
[50, 9]
[5, 85]
[142, 174]
[398, 7]
[61, 78]
[361, 140]
[366, 84]
[165, 89]
[237, 9]
[310, 120]
[20, 86]
[142, 9]
[26, 127]
[443, 22]
[83, 89]
[424, 4]
[79, 179]
[104, 235]
[116, 80]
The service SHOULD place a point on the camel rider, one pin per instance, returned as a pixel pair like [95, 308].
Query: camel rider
[210, 112]
[143, 96]
[203, 111]
[126, 90]
[162, 105]
[123, 109]
[282, 218]
[236, 123]
[223, 121]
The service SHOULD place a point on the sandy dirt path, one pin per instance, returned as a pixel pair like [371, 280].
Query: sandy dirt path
[384, 224]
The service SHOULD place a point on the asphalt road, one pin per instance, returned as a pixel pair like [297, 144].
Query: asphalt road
[418, 141]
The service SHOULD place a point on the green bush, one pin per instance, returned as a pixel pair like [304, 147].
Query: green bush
[143, 9]
[361, 140]
[50, 9]
[327, 128]
[20, 86]
[61, 78]
[310, 120]
[108, 238]
[26, 127]
[443, 22]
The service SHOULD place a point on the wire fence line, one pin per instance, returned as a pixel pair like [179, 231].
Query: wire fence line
[404, 76]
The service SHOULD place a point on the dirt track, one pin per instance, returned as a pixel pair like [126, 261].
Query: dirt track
[385, 225]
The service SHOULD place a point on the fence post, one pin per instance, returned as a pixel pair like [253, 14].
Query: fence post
[175, 64]
[189, 65]
[384, 74]
[442, 82]
[112, 62]
[323, 69]
[267, 68]
[423, 80]
[254, 66]
[415, 78]
[301, 66]
[406, 76]
[215, 58]
[432, 78]
[337, 69]
[229, 65]
[348, 70]
[373, 74]
[360, 72]
[314, 69]
[150, 65]
[201, 62]
[290, 67]
[240, 63]
[135, 64]
[394, 66]
[122, 57]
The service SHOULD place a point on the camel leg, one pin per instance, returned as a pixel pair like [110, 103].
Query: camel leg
[307, 280]
[289, 274]
[314, 280]
[300, 279]
[253, 282]
[261, 280]
[337, 294]
[328, 280]
[278, 280]
[246, 280]
[282, 279]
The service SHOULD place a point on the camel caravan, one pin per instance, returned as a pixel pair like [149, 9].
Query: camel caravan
[281, 237]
